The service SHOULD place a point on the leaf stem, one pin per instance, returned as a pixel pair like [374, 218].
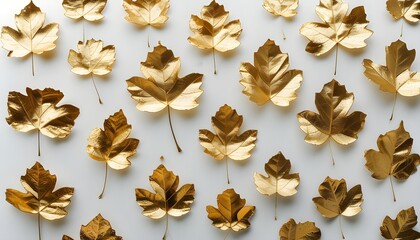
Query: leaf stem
[392, 187]
[214, 63]
[33, 65]
[172, 130]
[39, 143]
[227, 170]
[336, 60]
[331, 152]
[39, 226]
[275, 205]
[341, 227]
[166, 228]
[96, 89]
[106, 176]
[393, 106]
[148, 37]
[284, 35]
[402, 28]
[83, 27]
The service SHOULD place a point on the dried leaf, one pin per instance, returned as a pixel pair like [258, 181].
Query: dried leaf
[147, 12]
[336, 28]
[284, 8]
[269, 78]
[231, 212]
[333, 121]
[402, 227]
[393, 158]
[407, 9]
[97, 229]
[112, 145]
[211, 32]
[299, 231]
[227, 142]
[90, 10]
[167, 200]
[278, 181]
[335, 200]
[38, 111]
[162, 88]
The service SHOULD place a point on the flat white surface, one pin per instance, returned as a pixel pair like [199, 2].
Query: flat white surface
[278, 128]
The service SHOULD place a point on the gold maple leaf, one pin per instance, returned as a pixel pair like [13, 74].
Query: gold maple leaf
[333, 121]
[231, 212]
[394, 158]
[38, 111]
[97, 229]
[269, 78]
[402, 227]
[162, 88]
[211, 32]
[299, 231]
[112, 145]
[284, 8]
[90, 10]
[335, 200]
[39, 197]
[279, 180]
[407, 9]
[31, 35]
[336, 28]
[227, 142]
[396, 76]
[93, 58]
[167, 200]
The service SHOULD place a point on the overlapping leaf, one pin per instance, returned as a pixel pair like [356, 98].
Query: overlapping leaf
[97, 229]
[284, 8]
[402, 227]
[231, 212]
[269, 79]
[407, 9]
[90, 10]
[299, 231]
[147, 12]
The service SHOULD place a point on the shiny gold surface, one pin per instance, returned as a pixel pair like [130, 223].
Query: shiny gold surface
[299, 231]
[146, 12]
[90, 10]
[401, 227]
[97, 229]
[407, 9]
[284, 8]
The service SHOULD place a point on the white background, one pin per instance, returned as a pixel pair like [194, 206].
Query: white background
[278, 128]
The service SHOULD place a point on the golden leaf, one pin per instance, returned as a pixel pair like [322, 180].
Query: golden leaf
[299, 231]
[396, 76]
[112, 145]
[31, 35]
[162, 88]
[335, 200]
[146, 13]
[93, 58]
[231, 212]
[167, 200]
[336, 28]
[333, 104]
[211, 32]
[393, 158]
[407, 9]
[284, 8]
[227, 143]
[269, 78]
[39, 197]
[38, 111]
[97, 229]
[279, 181]
[90, 10]
[402, 227]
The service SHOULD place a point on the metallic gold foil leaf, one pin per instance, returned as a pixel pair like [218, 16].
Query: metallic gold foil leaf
[231, 212]
[269, 78]
[284, 8]
[336, 28]
[38, 111]
[335, 200]
[211, 32]
[31, 35]
[227, 142]
[396, 76]
[147, 12]
[97, 229]
[299, 231]
[93, 58]
[394, 158]
[278, 180]
[90, 10]
[407, 9]
[333, 121]
[112, 145]
[402, 227]
[167, 200]
[39, 197]
[162, 88]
